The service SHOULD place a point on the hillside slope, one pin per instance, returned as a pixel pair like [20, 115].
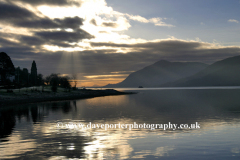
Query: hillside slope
[222, 73]
[159, 73]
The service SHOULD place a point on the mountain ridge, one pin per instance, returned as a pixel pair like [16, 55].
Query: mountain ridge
[159, 73]
[225, 72]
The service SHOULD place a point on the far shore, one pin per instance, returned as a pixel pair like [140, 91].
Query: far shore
[24, 97]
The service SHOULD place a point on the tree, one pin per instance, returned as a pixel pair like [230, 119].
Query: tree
[34, 74]
[40, 79]
[54, 85]
[54, 81]
[64, 82]
[74, 80]
[6, 67]
[47, 80]
[54, 77]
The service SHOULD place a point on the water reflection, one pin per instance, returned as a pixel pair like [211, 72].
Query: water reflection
[30, 131]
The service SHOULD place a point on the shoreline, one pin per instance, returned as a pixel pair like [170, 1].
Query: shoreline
[37, 97]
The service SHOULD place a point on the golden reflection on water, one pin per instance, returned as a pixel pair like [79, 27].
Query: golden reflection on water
[108, 101]
[16, 146]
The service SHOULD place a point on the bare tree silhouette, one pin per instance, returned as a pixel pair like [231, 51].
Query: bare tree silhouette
[74, 80]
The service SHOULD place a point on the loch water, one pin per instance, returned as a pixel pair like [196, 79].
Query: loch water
[42, 130]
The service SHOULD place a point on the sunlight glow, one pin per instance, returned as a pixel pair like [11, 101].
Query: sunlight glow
[56, 48]
[99, 82]
[98, 76]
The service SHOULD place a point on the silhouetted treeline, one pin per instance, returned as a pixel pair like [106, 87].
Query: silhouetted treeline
[24, 79]
[11, 77]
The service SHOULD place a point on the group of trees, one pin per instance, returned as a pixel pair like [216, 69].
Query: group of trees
[24, 79]
[55, 80]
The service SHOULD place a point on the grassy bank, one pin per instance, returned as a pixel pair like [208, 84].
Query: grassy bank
[35, 94]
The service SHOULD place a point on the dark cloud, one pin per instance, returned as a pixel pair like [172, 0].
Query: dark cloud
[31, 41]
[64, 35]
[69, 22]
[10, 13]
[49, 2]
[38, 42]
[93, 21]
[41, 23]
[110, 24]
[58, 38]
[167, 44]
[19, 52]
[176, 50]
[21, 17]
[5, 42]
[46, 23]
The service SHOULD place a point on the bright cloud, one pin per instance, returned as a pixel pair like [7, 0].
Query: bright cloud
[233, 20]
[101, 21]
[157, 21]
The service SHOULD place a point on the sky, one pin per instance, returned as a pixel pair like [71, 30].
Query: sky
[103, 41]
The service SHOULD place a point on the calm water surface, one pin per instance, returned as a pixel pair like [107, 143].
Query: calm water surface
[31, 132]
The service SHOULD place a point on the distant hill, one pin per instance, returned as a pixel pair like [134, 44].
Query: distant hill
[159, 73]
[222, 73]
